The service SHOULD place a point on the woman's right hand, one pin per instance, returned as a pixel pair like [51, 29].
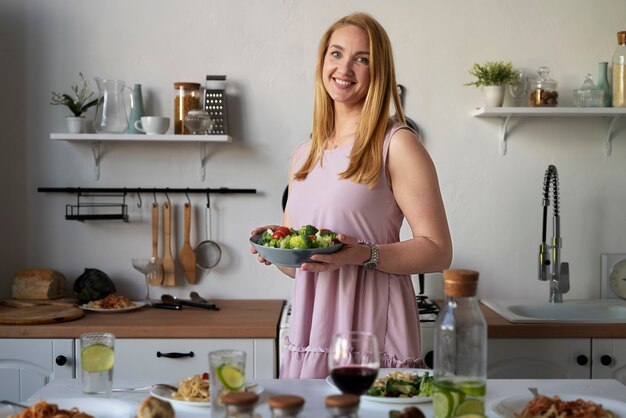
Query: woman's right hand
[259, 230]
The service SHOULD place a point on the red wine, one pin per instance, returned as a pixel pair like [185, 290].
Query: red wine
[353, 379]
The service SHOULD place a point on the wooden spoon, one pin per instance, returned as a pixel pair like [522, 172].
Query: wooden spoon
[169, 276]
[156, 278]
[187, 255]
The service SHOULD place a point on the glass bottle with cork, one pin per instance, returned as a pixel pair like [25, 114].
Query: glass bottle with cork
[460, 373]
[619, 71]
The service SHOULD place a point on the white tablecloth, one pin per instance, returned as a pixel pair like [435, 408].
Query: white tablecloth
[314, 392]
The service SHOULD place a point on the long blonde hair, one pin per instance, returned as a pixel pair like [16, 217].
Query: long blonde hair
[366, 158]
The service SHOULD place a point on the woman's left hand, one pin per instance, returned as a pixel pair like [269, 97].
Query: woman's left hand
[351, 253]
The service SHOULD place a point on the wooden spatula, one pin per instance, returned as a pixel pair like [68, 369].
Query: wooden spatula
[169, 275]
[187, 255]
[156, 278]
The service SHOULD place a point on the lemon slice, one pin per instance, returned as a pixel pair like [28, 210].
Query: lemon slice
[231, 377]
[97, 358]
[442, 404]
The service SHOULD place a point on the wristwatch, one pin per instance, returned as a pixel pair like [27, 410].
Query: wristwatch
[372, 263]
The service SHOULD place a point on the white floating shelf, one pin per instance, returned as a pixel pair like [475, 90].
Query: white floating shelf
[97, 139]
[506, 113]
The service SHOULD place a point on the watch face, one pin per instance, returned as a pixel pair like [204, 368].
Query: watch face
[617, 278]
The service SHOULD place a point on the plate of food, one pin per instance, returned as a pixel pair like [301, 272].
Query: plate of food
[399, 386]
[193, 391]
[96, 407]
[527, 406]
[290, 247]
[113, 303]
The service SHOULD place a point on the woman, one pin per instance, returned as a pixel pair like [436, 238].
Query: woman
[361, 174]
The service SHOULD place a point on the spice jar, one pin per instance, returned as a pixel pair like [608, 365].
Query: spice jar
[188, 97]
[240, 404]
[285, 406]
[342, 406]
[543, 92]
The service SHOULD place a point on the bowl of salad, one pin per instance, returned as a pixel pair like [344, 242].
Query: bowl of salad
[289, 247]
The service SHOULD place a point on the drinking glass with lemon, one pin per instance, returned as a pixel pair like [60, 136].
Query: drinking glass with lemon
[227, 374]
[97, 357]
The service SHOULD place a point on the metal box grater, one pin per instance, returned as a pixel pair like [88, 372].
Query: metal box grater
[216, 104]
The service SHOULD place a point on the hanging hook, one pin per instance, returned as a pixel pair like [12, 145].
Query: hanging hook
[187, 194]
[154, 195]
[167, 197]
[208, 199]
[140, 203]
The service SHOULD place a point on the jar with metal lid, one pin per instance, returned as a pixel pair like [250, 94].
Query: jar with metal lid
[543, 92]
[285, 406]
[342, 406]
[188, 96]
[240, 404]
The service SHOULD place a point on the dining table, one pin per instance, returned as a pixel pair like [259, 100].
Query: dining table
[501, 394]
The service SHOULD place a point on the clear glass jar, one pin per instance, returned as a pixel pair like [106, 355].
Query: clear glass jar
[460, 372]
[286, 406]
[240, 404]
[619, 71]
[543, 92]
[198, 122]
[188, 96]
[342, 406]
[588, 95]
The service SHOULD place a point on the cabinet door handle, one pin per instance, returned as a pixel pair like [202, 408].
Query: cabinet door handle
[582, 360]
[60, 360]
[175, 355]
[606, 360]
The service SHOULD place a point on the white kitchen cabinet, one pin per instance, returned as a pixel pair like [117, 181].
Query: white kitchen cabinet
[540, 358]
[169, 360]
[609, 359]
[26, 365]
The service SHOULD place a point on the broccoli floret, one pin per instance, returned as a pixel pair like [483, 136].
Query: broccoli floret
[307, 230]
[297, 242]
[326, 233]
[324, 241]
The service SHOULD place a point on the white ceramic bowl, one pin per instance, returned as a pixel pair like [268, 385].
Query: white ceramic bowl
[290, 257]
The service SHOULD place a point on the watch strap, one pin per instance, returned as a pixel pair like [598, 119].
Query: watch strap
[372, 263]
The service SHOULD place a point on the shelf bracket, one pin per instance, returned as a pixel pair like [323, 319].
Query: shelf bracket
[608, 146]
[504, 134]
[97, 155]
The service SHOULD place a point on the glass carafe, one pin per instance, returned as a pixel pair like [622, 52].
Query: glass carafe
[111, 109]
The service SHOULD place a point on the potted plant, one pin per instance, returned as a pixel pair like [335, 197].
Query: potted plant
[78, 105]
[493, 76]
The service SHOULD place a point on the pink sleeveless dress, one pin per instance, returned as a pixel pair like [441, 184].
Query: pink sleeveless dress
[349, 298]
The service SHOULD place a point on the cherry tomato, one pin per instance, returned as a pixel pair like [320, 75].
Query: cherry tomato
[205, 376]
[312, 237]
[278, 234]
[324, 230]
[283, 229]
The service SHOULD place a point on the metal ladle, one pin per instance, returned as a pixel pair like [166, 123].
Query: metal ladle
[208, 252]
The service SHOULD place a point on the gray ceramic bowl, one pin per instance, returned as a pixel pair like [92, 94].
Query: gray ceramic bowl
[289, 257]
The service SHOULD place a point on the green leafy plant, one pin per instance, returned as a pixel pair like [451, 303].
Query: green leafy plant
[492, 73]
[78, 104]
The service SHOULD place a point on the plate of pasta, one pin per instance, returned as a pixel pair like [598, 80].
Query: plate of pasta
[573, 406]
[79, 408]
[113, 303]
[193, 391]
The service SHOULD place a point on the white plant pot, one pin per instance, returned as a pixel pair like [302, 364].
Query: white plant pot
[75, 124]
[494, 96]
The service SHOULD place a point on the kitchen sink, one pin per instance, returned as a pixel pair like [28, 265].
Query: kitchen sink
[526, 311]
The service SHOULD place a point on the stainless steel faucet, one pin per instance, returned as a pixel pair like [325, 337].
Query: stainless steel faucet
[550, 265]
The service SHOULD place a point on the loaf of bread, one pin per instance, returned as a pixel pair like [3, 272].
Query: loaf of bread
[152, 407]
[38, 284]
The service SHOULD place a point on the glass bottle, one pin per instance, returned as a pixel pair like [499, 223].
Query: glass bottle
[240, 404]
[342, 406]
[603, 83]
[460, 372]
[188, 97]
[619, 71]
[285, 406]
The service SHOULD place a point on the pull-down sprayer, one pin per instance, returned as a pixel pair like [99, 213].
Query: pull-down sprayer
[550, 265]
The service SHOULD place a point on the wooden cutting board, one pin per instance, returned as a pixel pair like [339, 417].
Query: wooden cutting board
[43, 314]
[21, 303]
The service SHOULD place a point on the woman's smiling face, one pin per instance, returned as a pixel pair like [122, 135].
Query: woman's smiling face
[346, 71]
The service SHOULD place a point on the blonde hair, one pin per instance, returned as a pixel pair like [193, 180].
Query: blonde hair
[366, 158]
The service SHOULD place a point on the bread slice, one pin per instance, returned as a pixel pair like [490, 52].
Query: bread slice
[39, 284]
[152, 407]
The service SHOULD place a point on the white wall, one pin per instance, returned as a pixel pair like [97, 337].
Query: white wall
[267, 49]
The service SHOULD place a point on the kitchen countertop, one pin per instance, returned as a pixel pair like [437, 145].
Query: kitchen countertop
[315, 390]
[235, 319]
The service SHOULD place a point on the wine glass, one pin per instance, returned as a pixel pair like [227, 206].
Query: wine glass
[353, 361]
[147, 266]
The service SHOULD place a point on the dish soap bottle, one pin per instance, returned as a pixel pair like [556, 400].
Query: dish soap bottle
[460, 373]
[619, 71]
